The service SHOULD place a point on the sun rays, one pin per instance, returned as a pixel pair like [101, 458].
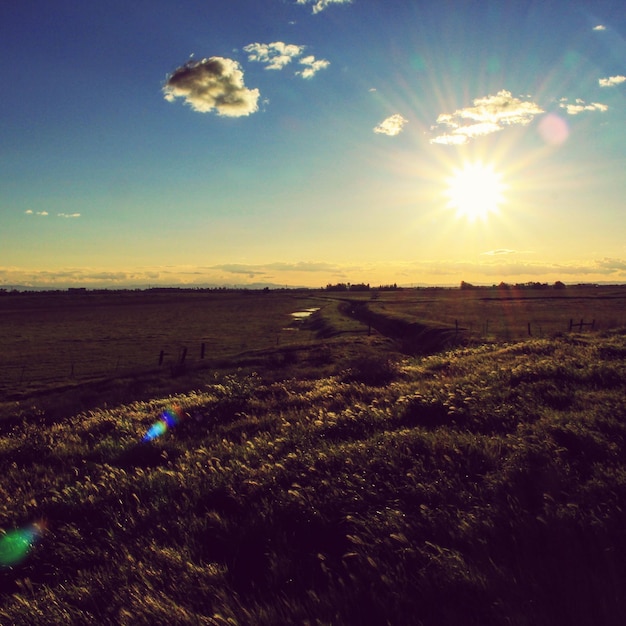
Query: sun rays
[475, 191]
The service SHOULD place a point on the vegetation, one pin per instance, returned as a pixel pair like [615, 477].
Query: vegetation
[483, 485]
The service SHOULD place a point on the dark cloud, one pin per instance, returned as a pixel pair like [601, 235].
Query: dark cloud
[211, 84]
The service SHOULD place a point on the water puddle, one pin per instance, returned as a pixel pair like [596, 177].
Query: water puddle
[300, 316]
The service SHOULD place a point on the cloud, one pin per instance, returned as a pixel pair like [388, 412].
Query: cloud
[313, 66]
[488, 115]
[611, 81]
[599, 27]
[450, 140]
[391, 126]
[320, 5]
[45, 213]
[612, 265]
[249, 270]
[499, 252]
[477, 130]
[276, 54]
[580, 106]
[271, 268]
[213, 83]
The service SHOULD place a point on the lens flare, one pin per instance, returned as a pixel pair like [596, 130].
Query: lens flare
[168, 419]
[16, 544]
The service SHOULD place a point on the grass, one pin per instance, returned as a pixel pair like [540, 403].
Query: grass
[484, 485]
[52, 340]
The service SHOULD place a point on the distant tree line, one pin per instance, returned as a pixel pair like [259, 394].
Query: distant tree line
[517, 286]
[360, 287]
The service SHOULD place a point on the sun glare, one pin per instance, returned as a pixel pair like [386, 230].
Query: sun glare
[475, 191]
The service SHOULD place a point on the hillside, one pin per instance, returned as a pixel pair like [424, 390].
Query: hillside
[481, 486]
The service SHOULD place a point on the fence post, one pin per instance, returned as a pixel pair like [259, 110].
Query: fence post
[571, 323]
[183, 356]
[580, 327]
[161, 355]
[529, 333]
[202, 348]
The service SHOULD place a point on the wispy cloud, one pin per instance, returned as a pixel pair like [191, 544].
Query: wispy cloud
[320, 5]
[215, 83]
[312, 66]
[489, 114]
[581, 106]
[611, 81]
[45, 214]
[612, 265]
[450, 140]
[599, 27]
[253, 270]
[391, 126]
[493, 266]
[499, 252]
[275, 55]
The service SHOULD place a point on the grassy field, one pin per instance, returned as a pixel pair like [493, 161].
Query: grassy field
[51, 340]
[321, 475]
[481, 486]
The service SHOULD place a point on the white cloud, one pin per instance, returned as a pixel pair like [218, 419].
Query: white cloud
[391, 126]
[502, 108]
[488, 115]
[68, 215]
[213, 83]
[477, 130]
[279, 54]
[580, 106]
[450, 140]
[611, 81]
[31, 212]
[320, 5]
[312, 66]
[599, 27]
[276, 54]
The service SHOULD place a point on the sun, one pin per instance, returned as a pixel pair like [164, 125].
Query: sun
[475, 191]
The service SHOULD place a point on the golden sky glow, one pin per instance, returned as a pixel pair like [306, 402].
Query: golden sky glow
[307, 142]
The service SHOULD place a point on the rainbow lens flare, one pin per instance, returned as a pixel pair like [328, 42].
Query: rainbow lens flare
[16, 544]
[168, 419]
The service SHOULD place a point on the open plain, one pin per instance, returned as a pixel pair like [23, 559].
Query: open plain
[385, 460]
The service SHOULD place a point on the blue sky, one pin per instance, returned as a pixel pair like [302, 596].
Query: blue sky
[304, 143]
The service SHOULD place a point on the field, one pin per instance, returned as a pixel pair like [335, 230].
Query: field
[52, 340]
[333, 474]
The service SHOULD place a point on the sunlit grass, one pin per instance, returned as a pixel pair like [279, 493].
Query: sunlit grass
[478, 486]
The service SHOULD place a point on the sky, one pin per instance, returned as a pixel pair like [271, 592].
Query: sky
[311, 142]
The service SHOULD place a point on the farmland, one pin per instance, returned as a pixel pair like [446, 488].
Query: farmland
[60, 340]
[323, 475]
